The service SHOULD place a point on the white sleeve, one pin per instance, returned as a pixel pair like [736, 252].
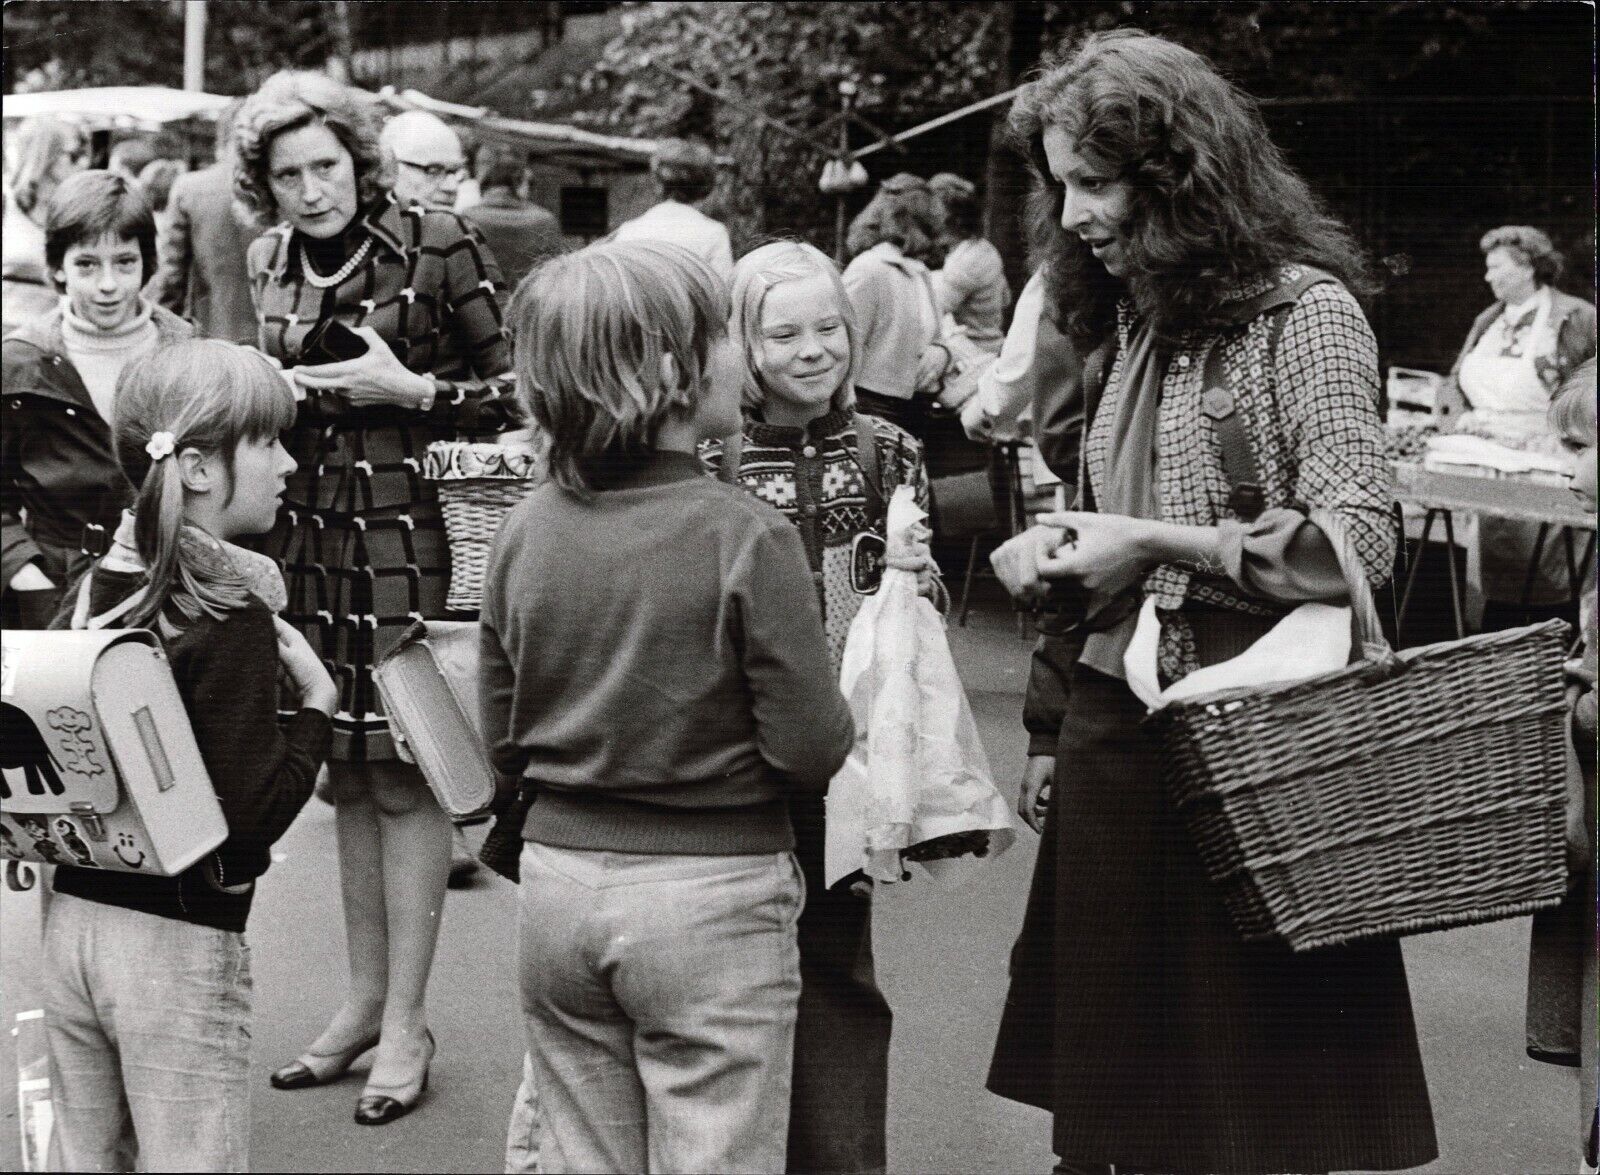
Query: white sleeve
[1006, 385]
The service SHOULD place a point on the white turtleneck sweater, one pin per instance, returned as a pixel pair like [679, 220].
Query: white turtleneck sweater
[100, 355]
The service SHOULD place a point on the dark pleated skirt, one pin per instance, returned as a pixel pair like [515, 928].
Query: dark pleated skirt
[1160, 1039]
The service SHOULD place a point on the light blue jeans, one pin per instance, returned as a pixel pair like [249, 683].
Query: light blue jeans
[522, 1133]
[148, 1024]
[660, 994]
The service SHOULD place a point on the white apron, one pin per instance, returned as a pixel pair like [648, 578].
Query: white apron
[1505, 392]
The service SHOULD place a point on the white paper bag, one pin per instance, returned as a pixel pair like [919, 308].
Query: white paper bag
[918, 770]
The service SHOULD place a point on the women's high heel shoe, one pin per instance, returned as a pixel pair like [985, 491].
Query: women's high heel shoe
[376, 1109]
[311, 1069]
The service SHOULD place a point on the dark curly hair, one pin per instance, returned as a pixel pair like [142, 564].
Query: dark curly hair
[1214, 203]
[1533, 246]
[292, 99]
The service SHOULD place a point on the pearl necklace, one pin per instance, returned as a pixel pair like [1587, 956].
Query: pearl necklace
[338, 276]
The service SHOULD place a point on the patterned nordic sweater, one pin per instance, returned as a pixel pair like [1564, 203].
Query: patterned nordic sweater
[813, 476]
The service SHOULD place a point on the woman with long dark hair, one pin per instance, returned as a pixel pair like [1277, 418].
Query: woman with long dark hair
[1200, 279]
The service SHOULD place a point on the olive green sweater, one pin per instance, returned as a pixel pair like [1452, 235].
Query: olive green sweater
[653, 662]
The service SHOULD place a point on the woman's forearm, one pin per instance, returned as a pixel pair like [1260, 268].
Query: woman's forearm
[1173, 542]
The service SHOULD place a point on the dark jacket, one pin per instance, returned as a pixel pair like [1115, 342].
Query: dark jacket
[520, 235]
[362, 540]
[56, 463]
[203, 246]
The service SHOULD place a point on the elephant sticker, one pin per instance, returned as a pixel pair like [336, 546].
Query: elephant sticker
[22, 748]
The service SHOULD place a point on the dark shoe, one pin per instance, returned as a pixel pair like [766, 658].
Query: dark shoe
[376, 1109]
[320, 1068]
[463, 862]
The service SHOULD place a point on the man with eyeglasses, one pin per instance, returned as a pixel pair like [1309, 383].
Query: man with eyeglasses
[428, 168]
[429, 164]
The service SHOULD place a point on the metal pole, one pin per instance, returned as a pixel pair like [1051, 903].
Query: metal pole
[846, 90]
[194, 45]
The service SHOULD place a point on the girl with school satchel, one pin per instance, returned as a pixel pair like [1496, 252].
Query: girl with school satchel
[147, 978]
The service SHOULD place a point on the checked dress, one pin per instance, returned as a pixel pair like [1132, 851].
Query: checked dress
[361, 539]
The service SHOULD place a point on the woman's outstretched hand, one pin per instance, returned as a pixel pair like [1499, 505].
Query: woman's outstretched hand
[1104, 552]
[377, 377]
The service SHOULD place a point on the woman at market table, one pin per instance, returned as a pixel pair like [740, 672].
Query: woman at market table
[361, 538]
[1161, 1040]
[1517, 353]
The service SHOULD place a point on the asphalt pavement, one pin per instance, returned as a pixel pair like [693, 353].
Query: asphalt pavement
[942, 962]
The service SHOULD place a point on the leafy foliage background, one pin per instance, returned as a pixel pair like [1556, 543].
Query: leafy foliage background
[1423, 123]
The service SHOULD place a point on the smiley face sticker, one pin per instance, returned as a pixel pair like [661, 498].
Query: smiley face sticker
[127, 851]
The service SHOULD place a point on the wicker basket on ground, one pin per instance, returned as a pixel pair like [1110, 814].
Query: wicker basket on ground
[1404, 793]
[479, 482]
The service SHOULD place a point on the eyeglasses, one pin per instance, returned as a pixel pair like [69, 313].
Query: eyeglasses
[437, 171]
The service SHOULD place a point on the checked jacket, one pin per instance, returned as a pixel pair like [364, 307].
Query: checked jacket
[361, 539]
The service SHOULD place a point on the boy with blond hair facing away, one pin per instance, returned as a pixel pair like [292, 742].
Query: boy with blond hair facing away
[654, 670]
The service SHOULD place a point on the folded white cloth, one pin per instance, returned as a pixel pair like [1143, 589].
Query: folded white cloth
[1313, 639]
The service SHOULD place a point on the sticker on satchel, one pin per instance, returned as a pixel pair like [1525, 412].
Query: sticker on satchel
[867, 554]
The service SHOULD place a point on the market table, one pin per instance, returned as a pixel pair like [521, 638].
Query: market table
[1438, 495]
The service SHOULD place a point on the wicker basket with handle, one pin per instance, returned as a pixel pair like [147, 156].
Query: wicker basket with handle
[1407, 792]
[479, 483]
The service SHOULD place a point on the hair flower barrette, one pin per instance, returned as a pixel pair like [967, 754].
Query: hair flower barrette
[160, 445]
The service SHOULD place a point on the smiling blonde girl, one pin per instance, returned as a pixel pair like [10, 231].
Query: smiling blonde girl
[806, 450]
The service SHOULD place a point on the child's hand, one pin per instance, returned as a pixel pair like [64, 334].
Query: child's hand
[917, 557]
[308, 677]
[1033, 801]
